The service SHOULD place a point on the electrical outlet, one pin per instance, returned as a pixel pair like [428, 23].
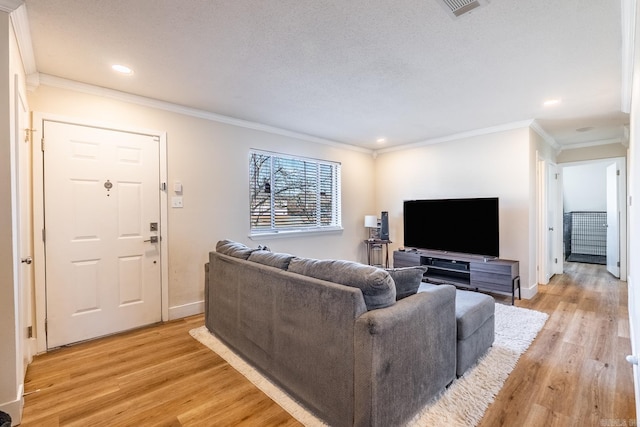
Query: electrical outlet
[176, 202]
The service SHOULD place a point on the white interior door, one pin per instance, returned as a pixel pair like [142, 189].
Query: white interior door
[549, 231]
[102, 199]
[553, 230]
[25, 224]
[613, 221]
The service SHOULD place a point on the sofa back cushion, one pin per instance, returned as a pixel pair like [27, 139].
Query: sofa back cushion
[376, 285]
[407, 280]
[234, 249]
[273, 259]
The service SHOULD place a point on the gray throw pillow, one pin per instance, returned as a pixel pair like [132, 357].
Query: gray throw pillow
[407, 280]
[375, 283]
[234, 249]
[273, 259]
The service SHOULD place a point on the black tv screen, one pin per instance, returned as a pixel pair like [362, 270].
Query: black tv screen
[468, 226]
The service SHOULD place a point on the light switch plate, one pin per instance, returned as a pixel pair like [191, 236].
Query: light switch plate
[176, 202]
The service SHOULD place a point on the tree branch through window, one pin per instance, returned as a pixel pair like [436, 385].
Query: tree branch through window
[290, 193]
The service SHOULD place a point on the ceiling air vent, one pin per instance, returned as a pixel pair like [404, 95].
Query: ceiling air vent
[459, 7]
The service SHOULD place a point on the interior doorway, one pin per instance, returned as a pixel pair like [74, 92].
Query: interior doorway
[594, 213]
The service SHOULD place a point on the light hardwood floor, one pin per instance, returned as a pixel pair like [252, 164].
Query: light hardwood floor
[574, 374]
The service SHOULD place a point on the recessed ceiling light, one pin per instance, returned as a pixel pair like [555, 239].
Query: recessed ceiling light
[381, 140]
[550, 102]
[122, 69]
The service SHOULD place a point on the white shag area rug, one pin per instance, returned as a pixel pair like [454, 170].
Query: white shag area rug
[462, 404]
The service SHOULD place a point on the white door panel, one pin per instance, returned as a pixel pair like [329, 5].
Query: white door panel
[25, 240]
[551, 222]
[101, 195]
[613, 221]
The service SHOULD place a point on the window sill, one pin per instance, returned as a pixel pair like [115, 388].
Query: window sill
[294, 233]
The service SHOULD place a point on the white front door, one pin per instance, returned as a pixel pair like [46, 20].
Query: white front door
[613, 221]
[102, 210]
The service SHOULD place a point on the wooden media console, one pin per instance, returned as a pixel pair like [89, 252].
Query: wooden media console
[464, 271]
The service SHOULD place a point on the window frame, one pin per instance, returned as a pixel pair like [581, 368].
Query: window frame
[275, 230]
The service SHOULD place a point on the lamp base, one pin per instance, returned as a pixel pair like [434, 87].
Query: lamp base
[374, 233]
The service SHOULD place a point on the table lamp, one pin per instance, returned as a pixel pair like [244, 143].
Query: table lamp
[371, 222]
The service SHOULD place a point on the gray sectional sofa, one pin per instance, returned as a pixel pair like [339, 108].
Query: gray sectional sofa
[332, 334]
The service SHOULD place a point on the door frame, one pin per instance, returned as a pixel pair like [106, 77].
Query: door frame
[38, 215]
[621, 162]
[613, 229]
[549, 245]
[24, 138]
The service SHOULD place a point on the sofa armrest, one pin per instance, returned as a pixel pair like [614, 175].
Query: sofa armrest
[404, 356]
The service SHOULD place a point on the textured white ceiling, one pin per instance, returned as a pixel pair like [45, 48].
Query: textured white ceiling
[351, 70]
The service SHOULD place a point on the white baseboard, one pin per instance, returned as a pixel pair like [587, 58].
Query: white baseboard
[14, 408]
[528, 293]
[186, 310]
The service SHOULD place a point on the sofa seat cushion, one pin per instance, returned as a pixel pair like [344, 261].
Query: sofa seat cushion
[472, 310]
[273, 259]
[234, 249]
[407, 280]
[377, 286]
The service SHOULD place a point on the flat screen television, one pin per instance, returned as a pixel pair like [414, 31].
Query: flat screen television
[469, 226]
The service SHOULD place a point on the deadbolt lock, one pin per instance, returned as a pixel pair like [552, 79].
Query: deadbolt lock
[153, 226]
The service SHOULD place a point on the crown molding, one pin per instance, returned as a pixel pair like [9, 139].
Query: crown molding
[626, 136]
[544, 135]
[58, 82]
[9, 6]
[628, 12]
[20, 22]
[462, 135]
[594, 143]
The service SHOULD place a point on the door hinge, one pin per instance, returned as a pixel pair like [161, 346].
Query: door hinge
[555, 260]
[29, 331]
[557, 175]
[163, 186]
[46, 326]
[44, 235]
[42, 144]
[618, 172]
[618, 263]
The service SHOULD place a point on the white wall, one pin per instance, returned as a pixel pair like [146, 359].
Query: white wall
[11, 335]
[211, 160]
[585, 187]
[492, 165]
[8, 349]
[633, 276]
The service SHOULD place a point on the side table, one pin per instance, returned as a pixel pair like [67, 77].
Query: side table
[378, 245]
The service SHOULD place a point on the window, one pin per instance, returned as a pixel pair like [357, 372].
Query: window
[290, 193]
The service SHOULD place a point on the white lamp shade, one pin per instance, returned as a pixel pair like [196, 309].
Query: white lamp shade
[370, 221]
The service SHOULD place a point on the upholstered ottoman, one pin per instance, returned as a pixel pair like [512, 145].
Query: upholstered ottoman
[476, 326]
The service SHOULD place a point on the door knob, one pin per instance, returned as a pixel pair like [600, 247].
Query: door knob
[550, 228]
[632, 359]
[28, 260]
[152, 239]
